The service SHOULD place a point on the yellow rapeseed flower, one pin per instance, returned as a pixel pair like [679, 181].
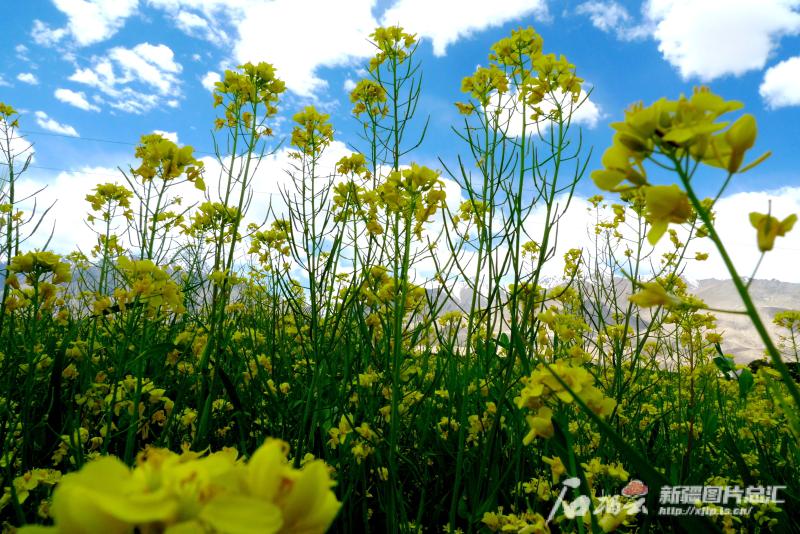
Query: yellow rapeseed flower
[168, 492]
[665, 204]
[768, 228]
[653, 294]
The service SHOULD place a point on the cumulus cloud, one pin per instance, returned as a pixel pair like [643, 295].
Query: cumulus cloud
[88, 21]
[22, 52]
[172, 136]
[135, 80]
[605, 16]
[44, 35]
[705, 39]
[66, 192]
[75, 98]
[612, 17]
[51, 125]
[575, 227]
[447, 21]
[18, 151]
[338, 32]
[210, 79]
[714, 38]
[28, 77]
[204, 19]
[732, 223]
[781, 85]
[336, 35]
[585, 113]
[194, 25]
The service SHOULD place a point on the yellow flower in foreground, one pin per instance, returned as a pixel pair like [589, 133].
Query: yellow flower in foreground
[172, 493]
[614, 517]
[769, 228]
[665, 204]
[105, 497]
[740, 137]
[557, 467]
[653, 294]
[540, 425]
[304, 496]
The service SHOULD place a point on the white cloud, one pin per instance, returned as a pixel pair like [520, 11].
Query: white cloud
[349, 85]
[196, 26]
[732, 223]
[271, 177]
[172, 136]
[781, 85]
[338, 32]
[586, 113]
[129, 77]
[51, 125]
[575, 227]
[210, 79]
[66, 192]
[4, 83]
[28, 77]
[713, 38]
[75, 98]
[22, 52]
[605, 16]
[204, 19]
[19, 150]
[152, 64]
[739, 237]
[44, 35]
[612, 17]
[447, 21]
[335, 35]
[88, 21]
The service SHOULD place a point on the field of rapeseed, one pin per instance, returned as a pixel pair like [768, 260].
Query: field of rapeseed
[195, 374]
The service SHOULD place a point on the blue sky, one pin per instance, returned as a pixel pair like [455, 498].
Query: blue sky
[115, 69]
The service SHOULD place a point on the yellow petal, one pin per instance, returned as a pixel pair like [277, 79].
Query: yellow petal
[657, 229]
[264, 469]
[607, 180]
[74, 511]
[742, 134]
[311, 506]
[756, 218]
[239, 514]
[787, 224]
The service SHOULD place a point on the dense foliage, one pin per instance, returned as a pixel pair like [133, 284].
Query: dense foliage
[375, 357]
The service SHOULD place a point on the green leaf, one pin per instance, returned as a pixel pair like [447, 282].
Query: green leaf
[745, 382]
[725, 364]
[503, 341]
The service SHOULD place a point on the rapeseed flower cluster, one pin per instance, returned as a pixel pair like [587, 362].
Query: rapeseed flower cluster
[560, 381]
[689, 127]
[163, 159]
